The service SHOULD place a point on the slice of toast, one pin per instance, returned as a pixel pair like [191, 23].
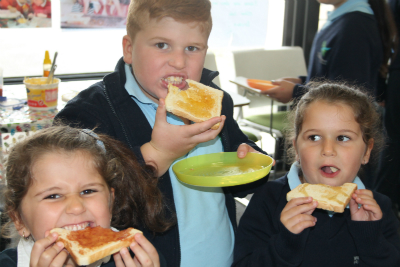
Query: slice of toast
[198, 103]
[333, 198]
[94, 243]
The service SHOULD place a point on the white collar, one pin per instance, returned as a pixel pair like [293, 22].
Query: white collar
[24, 252]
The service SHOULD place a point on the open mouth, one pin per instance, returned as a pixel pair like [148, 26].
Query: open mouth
[329, 169]
[175, 80]
[76, 227]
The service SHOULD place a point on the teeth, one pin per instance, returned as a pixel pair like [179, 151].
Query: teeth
[173, 79]
[333, 169]
[76, 227]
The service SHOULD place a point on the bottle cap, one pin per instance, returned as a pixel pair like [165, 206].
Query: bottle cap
[47, 59]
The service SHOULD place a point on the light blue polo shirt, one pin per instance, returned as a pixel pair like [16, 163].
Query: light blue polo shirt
[294, 180]
[205, 230]
[348, 6]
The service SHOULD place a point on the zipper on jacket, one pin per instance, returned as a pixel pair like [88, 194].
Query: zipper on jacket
[115, 113]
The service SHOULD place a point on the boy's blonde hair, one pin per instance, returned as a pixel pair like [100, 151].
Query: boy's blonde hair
[141, 11]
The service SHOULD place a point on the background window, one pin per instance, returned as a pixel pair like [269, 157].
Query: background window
[237, 24]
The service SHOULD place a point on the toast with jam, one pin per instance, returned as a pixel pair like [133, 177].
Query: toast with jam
[94, 243]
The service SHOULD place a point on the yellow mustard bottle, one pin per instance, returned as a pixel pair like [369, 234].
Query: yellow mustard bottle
[46, 64]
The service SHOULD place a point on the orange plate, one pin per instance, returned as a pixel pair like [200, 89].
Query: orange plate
[260, 84]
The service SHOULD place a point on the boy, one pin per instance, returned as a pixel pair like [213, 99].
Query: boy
[167, 42]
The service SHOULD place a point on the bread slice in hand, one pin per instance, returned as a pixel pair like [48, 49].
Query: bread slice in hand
[333, 198]
[94, 243]
[198, 103]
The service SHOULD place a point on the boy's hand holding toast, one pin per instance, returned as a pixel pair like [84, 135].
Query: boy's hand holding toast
[169, 142]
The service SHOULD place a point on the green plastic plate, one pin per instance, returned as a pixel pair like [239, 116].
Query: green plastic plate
[222, 169]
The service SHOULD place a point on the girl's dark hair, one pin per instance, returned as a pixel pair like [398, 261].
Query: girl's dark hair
[138, 201]
[388, 32]
[363, 106]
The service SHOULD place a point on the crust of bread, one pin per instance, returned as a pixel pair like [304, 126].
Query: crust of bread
[333, 198]
[85, 255]
[198, 103]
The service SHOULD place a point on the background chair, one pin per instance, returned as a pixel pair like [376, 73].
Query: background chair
[210, 63]
[268, 64]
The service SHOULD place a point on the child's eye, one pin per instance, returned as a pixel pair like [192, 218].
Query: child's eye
[314, 137]
[162, 45]
[192, 48]
[53, 196]
[88, 191]
[343, 138]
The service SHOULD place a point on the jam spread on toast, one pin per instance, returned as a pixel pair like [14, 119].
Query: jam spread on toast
[91, 237]
[200, 103]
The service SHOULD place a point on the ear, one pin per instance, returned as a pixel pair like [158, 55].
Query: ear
[127, 46]
[20, 226]
[367, 154]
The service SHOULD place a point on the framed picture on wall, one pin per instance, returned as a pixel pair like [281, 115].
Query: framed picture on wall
[25, 13]
[94, 13]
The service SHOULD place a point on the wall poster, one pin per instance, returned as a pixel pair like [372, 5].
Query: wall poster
[94, 13]
[25, 13]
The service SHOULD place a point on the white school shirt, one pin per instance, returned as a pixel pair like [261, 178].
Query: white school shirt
[205, 231]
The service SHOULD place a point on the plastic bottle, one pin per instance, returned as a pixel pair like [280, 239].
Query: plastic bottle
[46, 64]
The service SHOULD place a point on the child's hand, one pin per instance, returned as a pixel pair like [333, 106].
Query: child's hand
[290, 79]
[47, 253]
[369, 211]
[282, 93]
[243, 149]
[170, 142]
[296, 216]
[145, 254]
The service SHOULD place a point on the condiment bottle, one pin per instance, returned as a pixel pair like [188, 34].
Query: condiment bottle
[46, 64]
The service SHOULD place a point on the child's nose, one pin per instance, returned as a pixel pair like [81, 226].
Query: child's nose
[75, 205]
[178, 60]
[328, 148]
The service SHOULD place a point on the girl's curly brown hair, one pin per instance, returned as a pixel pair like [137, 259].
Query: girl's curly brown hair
[138, 201]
